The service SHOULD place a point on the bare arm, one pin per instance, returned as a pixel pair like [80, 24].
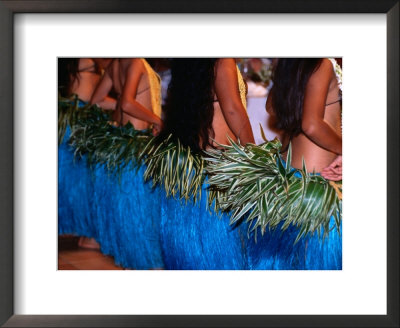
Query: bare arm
[128, 101]
[108, 103]
[313, 124]
[102, 89]
[226, 89]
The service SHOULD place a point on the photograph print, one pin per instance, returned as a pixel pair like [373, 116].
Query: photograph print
[199, 163]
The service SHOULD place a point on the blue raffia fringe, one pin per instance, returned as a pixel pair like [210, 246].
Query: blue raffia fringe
[143, 229]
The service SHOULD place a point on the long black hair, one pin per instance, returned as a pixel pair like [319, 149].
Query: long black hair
[68, 73]
[189, 108]
[290, 79]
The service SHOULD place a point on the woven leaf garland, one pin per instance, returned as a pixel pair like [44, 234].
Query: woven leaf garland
[251, 182]
[258, 187]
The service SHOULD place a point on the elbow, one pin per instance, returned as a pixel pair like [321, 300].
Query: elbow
[309, 127]
[125, 103]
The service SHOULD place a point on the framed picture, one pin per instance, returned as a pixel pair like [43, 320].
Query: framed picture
[14, 276]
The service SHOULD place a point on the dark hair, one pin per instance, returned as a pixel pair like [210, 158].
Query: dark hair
[290, 79]
[68, 72]
[189, 108]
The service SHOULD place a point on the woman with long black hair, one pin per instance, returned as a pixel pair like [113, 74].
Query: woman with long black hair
[305, 105]
[113, 205]
[205, 106]
[206, 103]
[80, 77]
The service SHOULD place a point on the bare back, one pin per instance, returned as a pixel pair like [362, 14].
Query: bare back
[87, 80]
[316, 157]
[220, 127]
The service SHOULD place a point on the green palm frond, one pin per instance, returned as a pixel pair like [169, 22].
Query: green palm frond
[252, 182]
[114, 147]
[175, 167]
[72, 110]
[93, 135]
[256, 186]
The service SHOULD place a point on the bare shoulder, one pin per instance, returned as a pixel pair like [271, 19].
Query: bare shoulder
[135, 64]
[324, 73]
[226, 64]
[326, 68]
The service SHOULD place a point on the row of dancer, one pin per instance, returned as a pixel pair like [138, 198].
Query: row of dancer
[206, 104]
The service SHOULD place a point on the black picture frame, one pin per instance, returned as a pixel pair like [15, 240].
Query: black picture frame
[7, 11]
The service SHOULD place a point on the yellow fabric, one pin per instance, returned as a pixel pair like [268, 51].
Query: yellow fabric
[338, 72]
[242, 87]
[338, 188]
[155, 88]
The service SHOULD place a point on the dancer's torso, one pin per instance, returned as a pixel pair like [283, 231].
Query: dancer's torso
[220, 127]
[219, 124]
[142, 96]
[317, 158]
[88, 78]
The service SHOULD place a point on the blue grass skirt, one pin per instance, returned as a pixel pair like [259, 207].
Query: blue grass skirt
[277, 250]
[128, 218]
[119, 210]
[192, 238]
[75, 190]
[142, 229]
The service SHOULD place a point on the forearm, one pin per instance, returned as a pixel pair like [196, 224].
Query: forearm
[97, 97]
[108, 103]
[246, 133]
[135, 109]
[239, 124]
[102, 90]
[226, 89]
[322, 134]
